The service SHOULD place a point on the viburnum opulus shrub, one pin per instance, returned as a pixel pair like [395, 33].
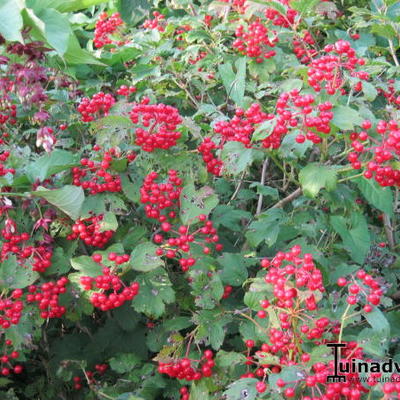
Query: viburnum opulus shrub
[198, 198]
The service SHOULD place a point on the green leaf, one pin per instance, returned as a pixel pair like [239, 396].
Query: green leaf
[76, 55]
[385, 30]
[228, 359]
[355, 235]
[196, 202]
[314, 177]
[144, 258]
[373, 342]
[263, 130]
[207, 292]
[303, 6]
[68, 199]
[65, 6]
[49, 164]
[213, 334]
[369, 91]
[242, 389]
[11, 20]
[155, 291]
[15, 276]
[346, 118]
[199, 391]
[288, 374]
[378, 196]
[236, 157]
[112, 129]
[234, 83]
[124, 362]
[292, 150]
[108, 223]
[57, 29]
[132, 11]
[290, 84]
[376, 318]
[229, 217]
[86, 266]
[266, 228]
[198, 35]
[234, 268]
[321, 353]
[266, 191]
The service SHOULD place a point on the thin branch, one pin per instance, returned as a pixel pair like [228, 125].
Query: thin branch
[288, 198]
[238, 187]
[262, 181]
[393, 53]
[388, 231]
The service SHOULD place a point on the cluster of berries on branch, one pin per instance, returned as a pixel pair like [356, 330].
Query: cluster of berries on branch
[109, 289]
[327, 72]
[7, 360]
[91, 231]
[107, 27]
[377, 153]
[96, 176]
[161, 199]
[47, 298]
[95, 107]
[256, 42]
[184, 237]
[159, 124]
[187, 369]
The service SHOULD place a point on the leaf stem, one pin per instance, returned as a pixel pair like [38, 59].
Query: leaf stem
[342, 322]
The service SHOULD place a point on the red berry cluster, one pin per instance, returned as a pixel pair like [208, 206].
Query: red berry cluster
[97, 106]
[203, 236]
[362, 287]
[161, 196]
[47, 297]
[124, 90]
[14, 245]
[198, 58]
[98, 178]
[156, 22]
[206, 149]
[256, 42]
[11, 309]
[184, 392]
[9, 355]
[303, 52]
[241, 127]
[391, 93]
[391, 389]
[383, 152]
[159, 123]
[315, 379]
[285, 20]
[326, 72]
[238, 5]
[90, 231]
[299, 111]
[179, 33]
[300, 272]
[227, 291]
[112, 292]
[8, 112]
[100, 369]
[183, 368]
[3, 170]
[106, 26]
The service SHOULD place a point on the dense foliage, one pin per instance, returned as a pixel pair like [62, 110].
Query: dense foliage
[196, 197]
